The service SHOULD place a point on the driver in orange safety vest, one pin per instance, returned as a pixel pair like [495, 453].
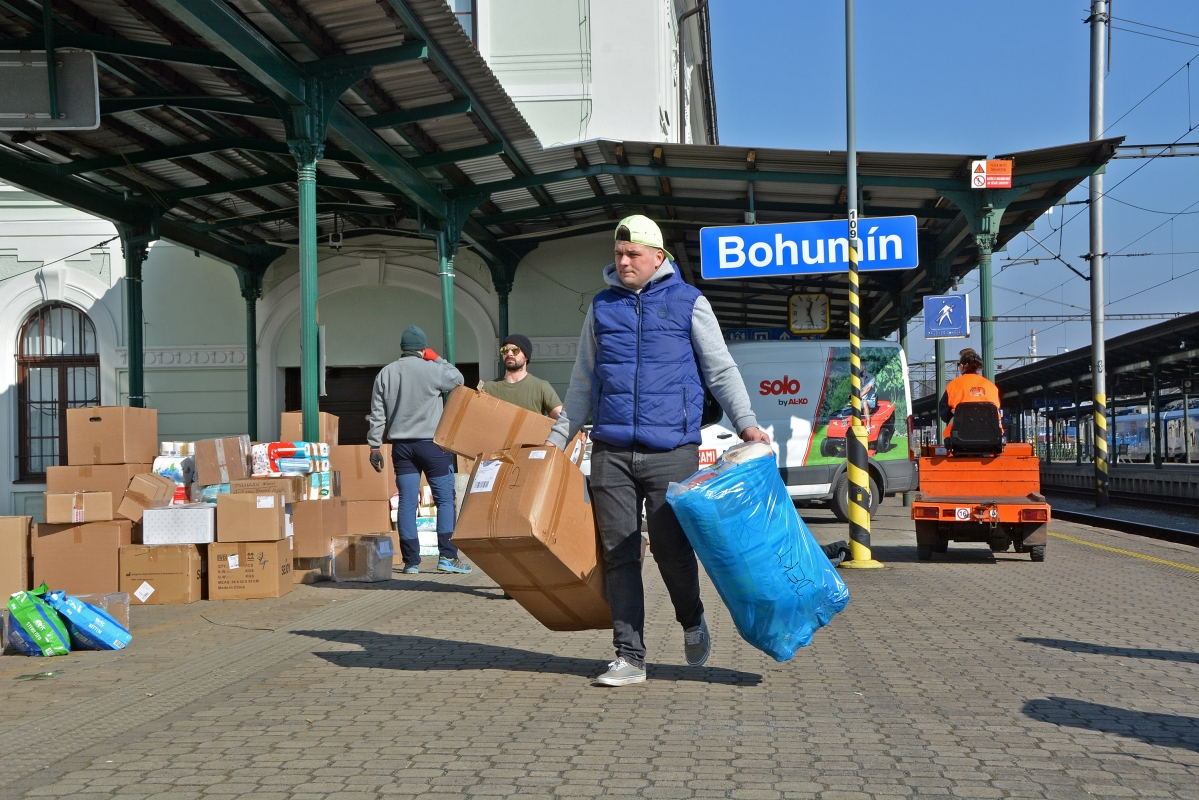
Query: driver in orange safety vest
[968, 387]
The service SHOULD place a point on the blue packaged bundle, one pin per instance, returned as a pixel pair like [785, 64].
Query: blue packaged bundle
[90, 627]
[777, 583]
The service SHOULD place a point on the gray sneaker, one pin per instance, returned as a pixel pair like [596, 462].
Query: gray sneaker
[620, 673]
[697, 643]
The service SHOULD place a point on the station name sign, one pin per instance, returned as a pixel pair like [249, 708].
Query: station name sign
[806, 248]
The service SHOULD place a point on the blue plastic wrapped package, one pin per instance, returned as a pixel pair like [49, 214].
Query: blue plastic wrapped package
[775, 580]
[90, 627]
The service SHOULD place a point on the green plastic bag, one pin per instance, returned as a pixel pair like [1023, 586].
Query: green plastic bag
[41, 625]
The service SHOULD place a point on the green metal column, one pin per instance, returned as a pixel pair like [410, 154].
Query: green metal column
[135, 256]
[503, 315]
[1155, 441]
[445, 256]
[307, 153]
[251, 290]
[985, 243]
[939, 366]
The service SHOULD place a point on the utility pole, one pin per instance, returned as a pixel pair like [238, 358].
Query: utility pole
[1099, 22]
[857, 468]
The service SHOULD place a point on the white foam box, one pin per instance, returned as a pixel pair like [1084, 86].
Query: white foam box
[194, 523]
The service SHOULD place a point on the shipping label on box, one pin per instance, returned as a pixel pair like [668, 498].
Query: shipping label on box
[80, 559]
[315, 523]
[162, 574]
[111, 478]
[359, 481]
[15, 565]
[474, 422]
[250, 518]
[527, 523]
[111, 435]
[222, 460]
[64, 508]
[194, 523]
[249, 570]
[293, 487]
[145, 491]
[291, 427]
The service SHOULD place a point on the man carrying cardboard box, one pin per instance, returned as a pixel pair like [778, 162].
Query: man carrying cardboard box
[405, 407]
[650, 345]
[517, 386]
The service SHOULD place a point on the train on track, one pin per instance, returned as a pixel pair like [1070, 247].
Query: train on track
[1133, 433]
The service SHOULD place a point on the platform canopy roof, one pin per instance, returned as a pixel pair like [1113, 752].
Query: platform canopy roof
[197, 104]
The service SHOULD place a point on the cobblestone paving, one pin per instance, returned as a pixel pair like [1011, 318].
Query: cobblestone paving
[975, 676]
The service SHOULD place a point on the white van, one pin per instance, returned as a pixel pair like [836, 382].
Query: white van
[800, 391]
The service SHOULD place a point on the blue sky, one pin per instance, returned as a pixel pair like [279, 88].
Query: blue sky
[960, 76]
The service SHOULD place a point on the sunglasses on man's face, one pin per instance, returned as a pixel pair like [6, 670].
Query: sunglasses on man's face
[511, 348]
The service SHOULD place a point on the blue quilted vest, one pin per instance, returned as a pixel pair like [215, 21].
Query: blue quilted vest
[648, 388]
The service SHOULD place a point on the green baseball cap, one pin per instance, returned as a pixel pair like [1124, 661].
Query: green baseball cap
[642, 230]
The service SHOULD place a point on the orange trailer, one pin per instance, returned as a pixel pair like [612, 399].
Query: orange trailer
[977, 489]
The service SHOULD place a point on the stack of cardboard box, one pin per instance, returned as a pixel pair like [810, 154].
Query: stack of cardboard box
[367, 494]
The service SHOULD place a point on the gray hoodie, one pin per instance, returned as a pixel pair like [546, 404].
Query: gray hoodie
[716, 366]
[406, 400]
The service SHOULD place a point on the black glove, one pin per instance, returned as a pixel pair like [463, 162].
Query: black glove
[377, 460]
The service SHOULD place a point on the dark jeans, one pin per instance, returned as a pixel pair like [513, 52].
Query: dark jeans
[411, 457]
[621, 477]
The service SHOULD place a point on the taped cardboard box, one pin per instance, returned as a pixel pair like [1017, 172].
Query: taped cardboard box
[474, 422]
[368, 516]
[250, 518]
[362, 559]
[527, 523]
[194, 523]
[64, 508]
[114, 604]
[311, 570]
[146, 491]
[359, 481]
[80, 559]
[291, 427]
[314, 524]
[249, 570]
[222, 460]
[111, 478]
[15, 566]
[111, 435]
[294, 488]
[164, 574]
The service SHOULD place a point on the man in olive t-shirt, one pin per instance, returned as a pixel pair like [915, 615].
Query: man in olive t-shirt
[518, 386]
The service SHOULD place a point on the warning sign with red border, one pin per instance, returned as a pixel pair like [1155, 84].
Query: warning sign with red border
[991, 174]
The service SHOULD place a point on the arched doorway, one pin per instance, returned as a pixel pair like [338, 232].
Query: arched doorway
[58, 367]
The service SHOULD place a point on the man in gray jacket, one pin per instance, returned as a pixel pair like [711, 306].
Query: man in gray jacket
[405, 408]
[650, 346]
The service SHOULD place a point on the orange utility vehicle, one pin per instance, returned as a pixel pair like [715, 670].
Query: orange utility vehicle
[977, 489]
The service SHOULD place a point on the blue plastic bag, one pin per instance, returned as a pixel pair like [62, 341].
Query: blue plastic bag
[772, 575]
[90, 627]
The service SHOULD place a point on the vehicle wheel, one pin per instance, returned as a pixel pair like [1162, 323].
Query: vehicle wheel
[885, 435]
[924, 551]
[1000, 545]
[1037, 552]
[926, 540]
[841, 498]
[830, 448]
[941, 545]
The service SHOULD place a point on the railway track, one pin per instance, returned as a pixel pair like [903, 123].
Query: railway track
[1146, 529]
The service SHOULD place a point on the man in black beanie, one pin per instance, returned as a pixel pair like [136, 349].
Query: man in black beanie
[518, 386]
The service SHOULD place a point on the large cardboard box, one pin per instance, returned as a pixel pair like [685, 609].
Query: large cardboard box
[14, 557]
[146, 491]
[527, 523]
[294, 488]
[314, 524]
[194, 523]
[250, 518]
[72, 507]
[111, 435]
[249, 570]
[474, 422]
[164, 574]
[359, 481]
[111, 478]
[368, 516]
[362, 559]
[80, 559]
[222, 460]
[291, 427]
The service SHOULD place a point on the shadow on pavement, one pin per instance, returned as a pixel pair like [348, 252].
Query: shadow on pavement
[1107, 650]
[422, 653]
[407, 584]
[1163, 730]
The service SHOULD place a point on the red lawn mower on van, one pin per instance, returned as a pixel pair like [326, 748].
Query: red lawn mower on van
[880, 427]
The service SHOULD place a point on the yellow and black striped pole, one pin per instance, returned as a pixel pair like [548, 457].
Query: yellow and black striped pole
[1099, 404]
[857, 443]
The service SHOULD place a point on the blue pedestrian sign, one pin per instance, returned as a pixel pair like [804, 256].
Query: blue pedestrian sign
[947, 316]
[806, 248]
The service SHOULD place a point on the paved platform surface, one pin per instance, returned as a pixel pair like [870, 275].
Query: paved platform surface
[975, 676]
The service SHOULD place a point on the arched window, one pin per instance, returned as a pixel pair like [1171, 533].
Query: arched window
[58, 368]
